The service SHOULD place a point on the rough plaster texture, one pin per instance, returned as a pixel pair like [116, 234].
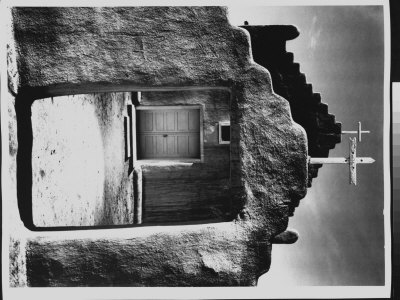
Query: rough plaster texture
[167, 46]
[80, 175]
[197, 255]
[63, 51]
[268, 45]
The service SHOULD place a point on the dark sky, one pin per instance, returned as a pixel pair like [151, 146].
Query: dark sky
[341, 51]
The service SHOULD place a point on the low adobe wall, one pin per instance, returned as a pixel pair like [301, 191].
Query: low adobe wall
[66, 51]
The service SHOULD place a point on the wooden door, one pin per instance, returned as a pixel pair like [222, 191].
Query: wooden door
[168, 133]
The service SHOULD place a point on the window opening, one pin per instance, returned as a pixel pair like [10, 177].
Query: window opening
[225, 132]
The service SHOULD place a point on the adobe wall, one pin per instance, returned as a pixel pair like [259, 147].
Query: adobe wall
[67, 51]
[198, 191]
[80, 176]
[268, 45]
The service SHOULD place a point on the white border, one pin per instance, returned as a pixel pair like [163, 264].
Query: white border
[5, 180]
[193, 3]
[196, 293]
[350, 292]
[386, 150]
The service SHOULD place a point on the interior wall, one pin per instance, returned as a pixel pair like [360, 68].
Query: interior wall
[196, 191]
[80, 176]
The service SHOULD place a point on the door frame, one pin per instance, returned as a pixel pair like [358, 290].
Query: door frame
[169, 107]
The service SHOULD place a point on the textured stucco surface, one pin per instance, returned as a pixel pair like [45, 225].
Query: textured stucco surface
[200, 256]
[64, 51]
[175, 46]
[79, 173]
[268, 46]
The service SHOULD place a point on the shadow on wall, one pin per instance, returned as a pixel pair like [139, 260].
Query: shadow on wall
[24, 160]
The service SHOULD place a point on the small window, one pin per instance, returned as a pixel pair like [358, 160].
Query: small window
[225, 132]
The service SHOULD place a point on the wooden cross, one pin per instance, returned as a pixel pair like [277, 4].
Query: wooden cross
[352, 160]
[359, 132]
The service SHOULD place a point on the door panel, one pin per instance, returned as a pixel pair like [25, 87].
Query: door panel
[168, 133]
[171, 141]
[159, 120]
[183, 120]
[149, 144]
[183, 145]
[147, 124]
[159, 145]
[194, 145]
[170, 120]
[194, 121]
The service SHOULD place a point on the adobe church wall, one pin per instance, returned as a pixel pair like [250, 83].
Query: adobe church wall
[80, 176]
[199, 191]
[268, 45]
[66, 51]
[16, 243]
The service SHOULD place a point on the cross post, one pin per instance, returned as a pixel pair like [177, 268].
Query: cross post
[359, 131]
[352, 160]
